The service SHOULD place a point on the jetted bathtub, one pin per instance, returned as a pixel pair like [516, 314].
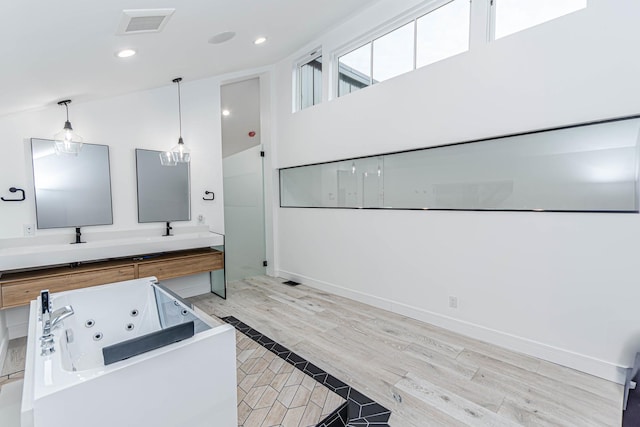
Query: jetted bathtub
[191, 382]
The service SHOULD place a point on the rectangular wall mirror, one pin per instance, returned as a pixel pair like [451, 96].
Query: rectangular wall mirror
[163, 191]
[71, 191]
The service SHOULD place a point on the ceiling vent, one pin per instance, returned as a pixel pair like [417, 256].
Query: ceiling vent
[138, 21]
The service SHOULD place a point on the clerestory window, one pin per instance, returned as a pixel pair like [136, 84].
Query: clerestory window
[439, 34]
[511, 16]
[310, 81]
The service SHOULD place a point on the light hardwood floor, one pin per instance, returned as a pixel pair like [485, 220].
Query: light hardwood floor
[13, 367]
[426, 375]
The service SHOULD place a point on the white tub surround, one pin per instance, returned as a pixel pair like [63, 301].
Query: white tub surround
[190, 382]
[56, 249]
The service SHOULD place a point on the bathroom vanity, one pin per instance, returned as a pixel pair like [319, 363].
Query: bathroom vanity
[19, 288]
[24, 271]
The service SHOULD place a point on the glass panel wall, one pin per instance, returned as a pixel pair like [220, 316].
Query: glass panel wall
[591, 168]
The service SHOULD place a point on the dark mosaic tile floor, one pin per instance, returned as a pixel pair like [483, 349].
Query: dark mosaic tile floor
[359, 410]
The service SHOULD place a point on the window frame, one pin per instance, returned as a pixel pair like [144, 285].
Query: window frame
[336, 62]
[297, 89]
[411, 15]
[482, 31]
[413, 21]
[492, 21]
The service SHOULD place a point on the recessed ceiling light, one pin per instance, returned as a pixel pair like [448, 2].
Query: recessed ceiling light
[260, 40]
[222, 37]
[226, 113]
[125, 53]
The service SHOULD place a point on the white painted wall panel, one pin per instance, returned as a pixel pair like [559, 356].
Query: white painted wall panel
[558, 286]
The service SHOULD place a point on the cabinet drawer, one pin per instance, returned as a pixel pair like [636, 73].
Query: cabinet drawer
[20, 292]
[171, 268]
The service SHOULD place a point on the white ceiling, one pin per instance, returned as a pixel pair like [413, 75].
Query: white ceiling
[54, 50]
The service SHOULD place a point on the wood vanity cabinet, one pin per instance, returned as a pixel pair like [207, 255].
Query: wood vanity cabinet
[171, 266]
[18, 288]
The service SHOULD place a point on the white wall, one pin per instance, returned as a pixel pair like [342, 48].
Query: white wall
[146, 119]
[558, 286]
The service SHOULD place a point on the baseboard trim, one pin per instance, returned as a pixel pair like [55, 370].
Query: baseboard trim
[378, 302]
[580, 362]
[590, 365]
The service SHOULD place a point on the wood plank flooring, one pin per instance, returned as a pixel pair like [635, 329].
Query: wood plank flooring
[426, 375]
[13, 366]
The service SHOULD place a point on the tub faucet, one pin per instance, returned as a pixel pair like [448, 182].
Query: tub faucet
[49, 321]
[46, 340]
[56, 317]
[45, 306]
[44, 302]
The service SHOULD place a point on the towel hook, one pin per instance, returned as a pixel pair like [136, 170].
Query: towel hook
[206, 193]
[13, 190]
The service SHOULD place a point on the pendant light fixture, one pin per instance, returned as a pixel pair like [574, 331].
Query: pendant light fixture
[67, 141]
[180, 153]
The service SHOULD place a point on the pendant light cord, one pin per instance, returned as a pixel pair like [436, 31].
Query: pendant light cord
[66, 103]
[179, 110]
[178, 80]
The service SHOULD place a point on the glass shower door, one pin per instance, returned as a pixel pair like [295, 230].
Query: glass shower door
[245, 252]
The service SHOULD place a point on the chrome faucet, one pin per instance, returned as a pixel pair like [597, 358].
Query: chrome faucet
[45, 304]
[44, 301]
[46, 340]
[56, 317]
[49, 321]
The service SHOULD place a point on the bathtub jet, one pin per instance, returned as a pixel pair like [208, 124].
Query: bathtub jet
[127, 353]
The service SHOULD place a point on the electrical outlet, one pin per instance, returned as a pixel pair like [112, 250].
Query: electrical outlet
[200, 219]
[453, 302]
[28, 230]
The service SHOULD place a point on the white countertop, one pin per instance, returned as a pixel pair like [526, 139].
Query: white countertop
[18, 254]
